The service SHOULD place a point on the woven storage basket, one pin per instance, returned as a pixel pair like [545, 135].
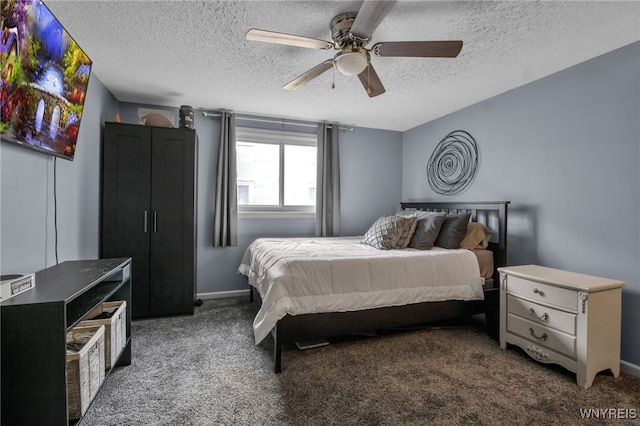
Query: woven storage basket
[85, 368]
[115, 329]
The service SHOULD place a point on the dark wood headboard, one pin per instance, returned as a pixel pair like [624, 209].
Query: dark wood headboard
[493, 214]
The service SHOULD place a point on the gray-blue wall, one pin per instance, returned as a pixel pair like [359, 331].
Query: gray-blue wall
[27, 238]
[565, 150]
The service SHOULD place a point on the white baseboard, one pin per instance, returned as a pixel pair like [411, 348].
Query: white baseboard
[629, 368]
[223, 294]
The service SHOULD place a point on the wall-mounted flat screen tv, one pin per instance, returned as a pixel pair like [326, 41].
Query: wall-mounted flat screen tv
[45, 75]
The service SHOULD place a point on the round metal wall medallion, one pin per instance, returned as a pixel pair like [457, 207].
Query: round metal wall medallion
[453, 163]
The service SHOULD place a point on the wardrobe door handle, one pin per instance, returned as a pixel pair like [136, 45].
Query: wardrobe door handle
[146, 221]
[155, 221]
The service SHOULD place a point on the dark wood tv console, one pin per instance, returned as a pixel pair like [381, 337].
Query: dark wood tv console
[34, 326]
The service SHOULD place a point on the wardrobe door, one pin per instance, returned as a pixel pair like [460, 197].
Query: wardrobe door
[173, 237]
[126, 201]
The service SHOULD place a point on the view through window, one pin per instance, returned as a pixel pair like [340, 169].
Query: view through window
[276, 170]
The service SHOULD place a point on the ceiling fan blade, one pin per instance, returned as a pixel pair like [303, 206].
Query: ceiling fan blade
[369, 16]
[371, 82]
[418, 49]
[288, 39]
[309, 75]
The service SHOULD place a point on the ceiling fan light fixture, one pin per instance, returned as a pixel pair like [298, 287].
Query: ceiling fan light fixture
[351, 63]
[351, 32]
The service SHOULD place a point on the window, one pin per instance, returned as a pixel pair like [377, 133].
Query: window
[276, 171]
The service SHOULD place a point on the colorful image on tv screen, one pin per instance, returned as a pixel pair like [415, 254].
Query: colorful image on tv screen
[44, 79]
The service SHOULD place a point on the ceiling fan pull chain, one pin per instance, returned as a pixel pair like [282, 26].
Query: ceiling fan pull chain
[333, 78]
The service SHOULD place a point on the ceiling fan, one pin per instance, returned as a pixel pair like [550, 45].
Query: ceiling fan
[351, 32]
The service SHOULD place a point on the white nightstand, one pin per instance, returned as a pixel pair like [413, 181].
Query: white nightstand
[562, 317]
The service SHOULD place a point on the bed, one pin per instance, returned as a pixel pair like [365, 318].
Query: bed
[317, 288]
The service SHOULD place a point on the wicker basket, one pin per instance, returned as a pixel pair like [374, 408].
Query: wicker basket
[85, 368]
[115, 328]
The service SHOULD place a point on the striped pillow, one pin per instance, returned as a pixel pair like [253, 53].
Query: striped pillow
[408, 231]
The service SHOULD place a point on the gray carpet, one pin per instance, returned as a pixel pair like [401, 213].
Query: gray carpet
[205, 370]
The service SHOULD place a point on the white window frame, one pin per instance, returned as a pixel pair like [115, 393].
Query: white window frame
[281, 138]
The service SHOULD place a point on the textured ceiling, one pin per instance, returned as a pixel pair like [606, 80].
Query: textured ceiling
[193, 52]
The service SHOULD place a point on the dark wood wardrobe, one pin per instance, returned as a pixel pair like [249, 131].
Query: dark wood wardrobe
[149, 186]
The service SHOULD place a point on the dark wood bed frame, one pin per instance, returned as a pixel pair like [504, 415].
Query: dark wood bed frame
[307, 327]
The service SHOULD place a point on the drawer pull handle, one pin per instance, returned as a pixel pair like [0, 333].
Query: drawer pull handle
[544, 317]
[540, 292]
[543, 337]
[537, 353]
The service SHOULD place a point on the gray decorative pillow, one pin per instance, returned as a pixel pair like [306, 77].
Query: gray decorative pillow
[385, 232]
[453, 230]
[427, 229]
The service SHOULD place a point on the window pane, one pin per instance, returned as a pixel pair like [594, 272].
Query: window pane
[300, 175]
[243, 193]
[258, 176]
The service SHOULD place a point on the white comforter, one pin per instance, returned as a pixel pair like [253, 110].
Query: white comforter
[311, 275]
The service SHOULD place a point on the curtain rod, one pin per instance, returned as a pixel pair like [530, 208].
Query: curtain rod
[265, 120]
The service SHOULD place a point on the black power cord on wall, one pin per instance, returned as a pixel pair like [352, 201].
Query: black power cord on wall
[55, 207]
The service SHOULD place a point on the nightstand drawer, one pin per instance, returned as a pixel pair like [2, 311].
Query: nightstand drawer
[541, 353]
[541, 335]
[543, 315]
[548, 294]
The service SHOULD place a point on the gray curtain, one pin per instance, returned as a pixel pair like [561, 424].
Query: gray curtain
[225, 227]
[328, 182]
